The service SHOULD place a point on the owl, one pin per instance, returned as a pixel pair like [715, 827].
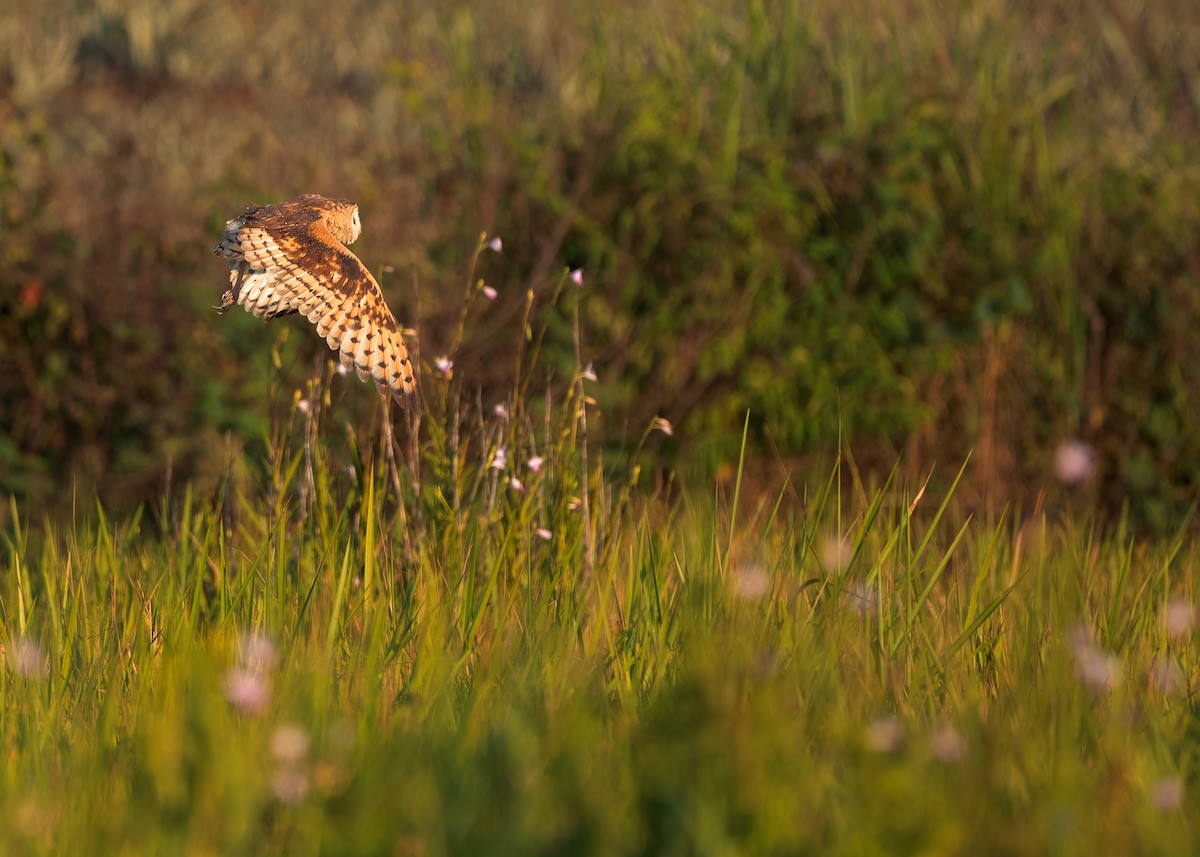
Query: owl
[292, 258]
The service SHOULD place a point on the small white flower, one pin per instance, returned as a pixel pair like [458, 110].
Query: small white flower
[1178, 618]
[501, 411]
[495, 245]
[1079, 638]
[256, 652]
[663, 425]
[247, 691]
[303, 406]
[289, 785]
[864, 598]
[500, 459]
[836, 553]
[1073, 462]
[589, 374]
[444, 365]
[750, 582]
[343, 369]
[947, 745]
[516, 484]
[1167, 794]
[543, 534]
[26, 658]
[535, 464]
[289, 744]
[885, 735]
[577, 277]
[1098, 669]
[489, 292]
[574, 503]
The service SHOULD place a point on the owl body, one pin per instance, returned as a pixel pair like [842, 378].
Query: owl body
[291, 258]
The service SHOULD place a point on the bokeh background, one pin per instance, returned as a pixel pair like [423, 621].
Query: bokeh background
[914, 229]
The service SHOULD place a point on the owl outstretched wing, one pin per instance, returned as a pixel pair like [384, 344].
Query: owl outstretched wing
[285, 260]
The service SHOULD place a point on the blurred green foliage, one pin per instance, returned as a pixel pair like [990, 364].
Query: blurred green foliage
[914, 227]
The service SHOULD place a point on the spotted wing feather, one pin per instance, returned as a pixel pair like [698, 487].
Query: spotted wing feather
[293, 264]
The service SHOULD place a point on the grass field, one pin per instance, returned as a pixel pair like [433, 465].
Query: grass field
[841, 245]
[301, 665]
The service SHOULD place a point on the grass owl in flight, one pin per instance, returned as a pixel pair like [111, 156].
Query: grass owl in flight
[291, 258]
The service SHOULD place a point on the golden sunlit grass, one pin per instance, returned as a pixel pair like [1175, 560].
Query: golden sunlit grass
[295, 670]
[496, 641]
[948, 228]
[497, 627]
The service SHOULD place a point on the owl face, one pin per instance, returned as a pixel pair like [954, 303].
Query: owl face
[341, 217]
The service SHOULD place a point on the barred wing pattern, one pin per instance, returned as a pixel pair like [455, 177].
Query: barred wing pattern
[285, 259]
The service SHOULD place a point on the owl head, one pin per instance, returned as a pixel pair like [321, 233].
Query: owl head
[341, 217]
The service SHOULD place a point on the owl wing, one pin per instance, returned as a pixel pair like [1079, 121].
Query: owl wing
[289, 262]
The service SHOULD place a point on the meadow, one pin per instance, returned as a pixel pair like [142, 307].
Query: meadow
[474, 629]
[532, 654]
[807, 462]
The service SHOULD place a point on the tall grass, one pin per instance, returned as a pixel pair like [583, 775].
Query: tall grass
[305, 663]
[480, 629]
[939, 227]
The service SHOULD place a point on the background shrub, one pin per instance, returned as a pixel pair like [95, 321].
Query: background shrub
[917, 228]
